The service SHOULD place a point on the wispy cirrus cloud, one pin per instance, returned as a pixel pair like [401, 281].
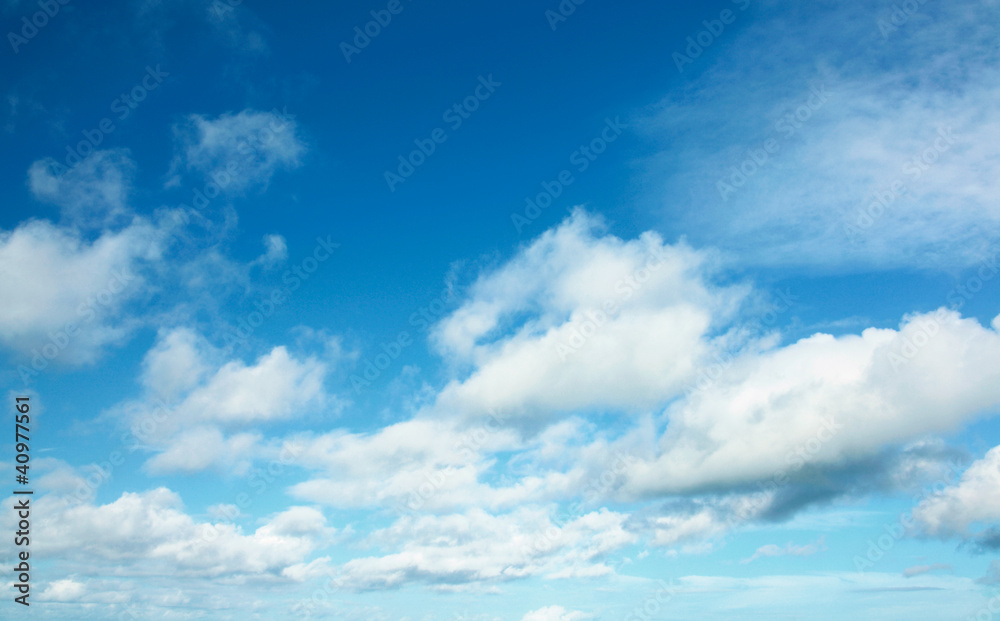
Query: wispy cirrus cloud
[95, 192]
[554, 613]
[238, 151]
[895, 166]
[789, 549]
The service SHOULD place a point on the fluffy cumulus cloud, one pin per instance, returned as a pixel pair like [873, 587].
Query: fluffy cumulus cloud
[175, 364]
[480, 548]
[276, 386]
[71, 283]
[576, 320]
[200, 409]
[416, 465]
[239, 151]
[180, 367]
[143, 553]
[71, 287]
[968, 510]
[439, 466]
[857, 406]
[581, 319]
[826, 401]
[198, 448]
[66, 590]
[149, 533]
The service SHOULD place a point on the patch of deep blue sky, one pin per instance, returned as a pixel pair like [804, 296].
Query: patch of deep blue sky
[556, 90]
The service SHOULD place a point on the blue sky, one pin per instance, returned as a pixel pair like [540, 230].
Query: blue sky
[526, 312]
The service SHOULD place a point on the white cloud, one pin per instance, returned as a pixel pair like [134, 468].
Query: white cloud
[788, 549]
[577, 320]
[696, 525]
[684, 528]
[827, 595]
[193, 398]
[239, 151]
[181, 366]
[554, 613]
[969, 509]
[198, 448]
[412, 465]
[94, 192]
[79, 281]
[276, 251]
[55, 475]
[826, 401]
[230, 21]
[277, 386]
[67, 283]
[887, 100]
[919, 570]
[300, 572]
[510, 330]
[66, 590]
[298, 521]
[175, 364]
[439, 466]
[148, 533]
[476, 547]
